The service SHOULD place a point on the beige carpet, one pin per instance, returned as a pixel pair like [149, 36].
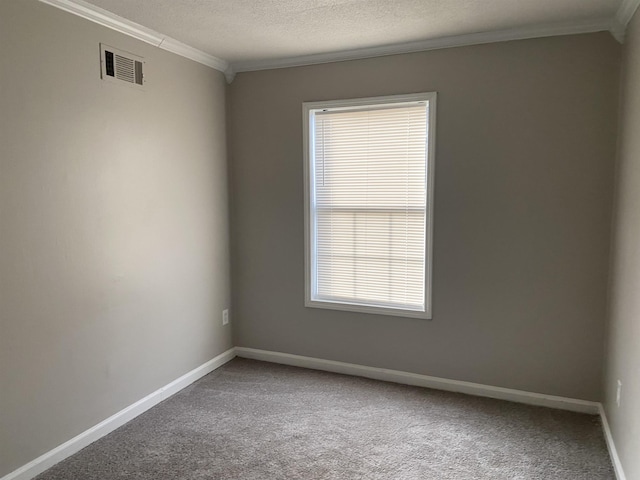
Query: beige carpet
[259, 421]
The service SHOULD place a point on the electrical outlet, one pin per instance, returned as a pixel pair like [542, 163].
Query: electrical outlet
[225, 317]
[618, 393]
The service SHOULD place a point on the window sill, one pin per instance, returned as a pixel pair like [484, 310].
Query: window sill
[353, 307]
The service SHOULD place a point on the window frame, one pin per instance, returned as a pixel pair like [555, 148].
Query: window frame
[309, 220]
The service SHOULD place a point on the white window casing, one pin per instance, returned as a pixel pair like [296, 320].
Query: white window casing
[369, 171]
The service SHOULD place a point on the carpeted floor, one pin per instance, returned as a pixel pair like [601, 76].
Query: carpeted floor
[261, 421]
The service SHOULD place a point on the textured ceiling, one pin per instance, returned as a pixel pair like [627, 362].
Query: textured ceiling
[250, 30]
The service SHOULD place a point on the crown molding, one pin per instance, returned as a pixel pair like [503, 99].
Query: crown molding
[174, 46]
[626, 11]
[230, 74]
[617, 27]
[549, 30]
[119, 24]
[623, 17]
[618, 30]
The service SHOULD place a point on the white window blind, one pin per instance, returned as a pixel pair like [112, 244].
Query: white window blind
[368, 205]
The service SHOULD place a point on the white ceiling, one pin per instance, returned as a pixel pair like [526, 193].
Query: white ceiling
[253, 34]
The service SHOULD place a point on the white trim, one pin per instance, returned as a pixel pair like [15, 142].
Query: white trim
[107, 19]
[549, 30]
[119, 24]
[618, 31]
[431, 185]
[626, 11]
[184, 50]
[519, 396]
[49, 459]
[308, 108]
[616, 26]
[622, 18]
[230, 74]
[611, 446]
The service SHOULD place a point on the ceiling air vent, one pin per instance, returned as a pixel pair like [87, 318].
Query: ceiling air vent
[120, 66]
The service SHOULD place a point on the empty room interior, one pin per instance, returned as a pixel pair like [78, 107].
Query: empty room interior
[319, 239]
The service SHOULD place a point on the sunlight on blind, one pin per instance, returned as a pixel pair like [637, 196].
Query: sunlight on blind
[370, 205]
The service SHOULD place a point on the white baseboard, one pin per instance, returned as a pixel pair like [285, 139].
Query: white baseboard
[611, 446]
[49, 459]
[530, 398]
[406, 378]
[469, 388]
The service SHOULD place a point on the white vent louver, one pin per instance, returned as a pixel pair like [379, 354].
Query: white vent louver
[121, 66]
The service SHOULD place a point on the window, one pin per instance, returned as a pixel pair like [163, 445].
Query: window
[369, 204]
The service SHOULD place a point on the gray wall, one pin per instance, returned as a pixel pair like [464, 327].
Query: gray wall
[623, 349]
[114, 244]
[524, 176]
